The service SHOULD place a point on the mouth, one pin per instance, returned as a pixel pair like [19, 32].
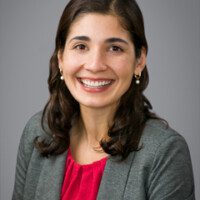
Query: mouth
[95, 83]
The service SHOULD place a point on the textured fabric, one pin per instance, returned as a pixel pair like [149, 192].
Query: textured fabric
[82, 182]
[161, 170]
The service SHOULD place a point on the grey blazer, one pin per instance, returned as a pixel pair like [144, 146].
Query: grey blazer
[161, 170]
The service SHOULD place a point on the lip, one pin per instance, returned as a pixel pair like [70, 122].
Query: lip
[95, 85]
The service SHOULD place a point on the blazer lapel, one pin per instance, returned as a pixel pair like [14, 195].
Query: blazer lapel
[51, 178]
[112, 185]
[114, 179]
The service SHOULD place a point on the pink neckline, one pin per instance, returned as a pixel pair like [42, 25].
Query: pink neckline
[87, 166]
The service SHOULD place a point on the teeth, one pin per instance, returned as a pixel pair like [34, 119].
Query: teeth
[89, 83]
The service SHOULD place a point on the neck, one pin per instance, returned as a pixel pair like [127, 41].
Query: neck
[95, 123]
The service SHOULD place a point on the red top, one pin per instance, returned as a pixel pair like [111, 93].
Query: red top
[82, 182]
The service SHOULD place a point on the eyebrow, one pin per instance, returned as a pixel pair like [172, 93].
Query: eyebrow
[82, 38]
[114, 39]
[109, 40]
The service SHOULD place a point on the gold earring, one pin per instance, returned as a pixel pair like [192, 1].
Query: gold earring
[61, 72]
[137, 77]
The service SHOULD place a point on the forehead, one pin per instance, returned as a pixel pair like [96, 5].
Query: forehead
[98, 26]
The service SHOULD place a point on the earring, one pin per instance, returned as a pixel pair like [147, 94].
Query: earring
[61, 72]
[61, 78]
[137, 77]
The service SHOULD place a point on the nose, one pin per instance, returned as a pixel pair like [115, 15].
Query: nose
[96, 61]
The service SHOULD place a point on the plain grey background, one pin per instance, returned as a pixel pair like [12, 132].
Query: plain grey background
[27, 32]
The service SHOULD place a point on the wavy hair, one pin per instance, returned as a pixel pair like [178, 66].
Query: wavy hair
[134, 108]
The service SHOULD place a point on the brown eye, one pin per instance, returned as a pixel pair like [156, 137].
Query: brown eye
[80, 47]
[116, 49]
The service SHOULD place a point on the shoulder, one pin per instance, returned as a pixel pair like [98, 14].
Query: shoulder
[163, 163]
[157, 132]
[32, 130]
[166, 156]
[161, 144]
[26, 146]
[35, 121]
[166, 150]
[34, 125]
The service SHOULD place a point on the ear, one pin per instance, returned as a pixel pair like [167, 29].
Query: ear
[60, 58]
[140, 62]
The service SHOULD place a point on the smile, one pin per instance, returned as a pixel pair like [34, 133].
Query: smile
[92, 83]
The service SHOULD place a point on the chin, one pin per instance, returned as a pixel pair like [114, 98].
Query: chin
[100, 104]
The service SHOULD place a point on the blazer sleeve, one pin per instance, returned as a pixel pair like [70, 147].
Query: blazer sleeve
[23, 157]
[171, 176]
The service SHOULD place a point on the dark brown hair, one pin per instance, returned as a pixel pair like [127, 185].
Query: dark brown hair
[134, 108]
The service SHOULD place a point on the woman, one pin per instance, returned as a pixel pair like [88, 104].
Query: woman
[97, 137]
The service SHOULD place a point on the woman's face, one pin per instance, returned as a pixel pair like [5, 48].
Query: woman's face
[98, 61]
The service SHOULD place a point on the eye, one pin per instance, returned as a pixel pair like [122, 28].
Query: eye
[80, 47]
[115, 48]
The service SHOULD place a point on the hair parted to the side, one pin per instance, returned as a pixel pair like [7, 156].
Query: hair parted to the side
[134, 108]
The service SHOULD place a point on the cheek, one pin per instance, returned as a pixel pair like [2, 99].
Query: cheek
[124, 68]
[71, 65]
